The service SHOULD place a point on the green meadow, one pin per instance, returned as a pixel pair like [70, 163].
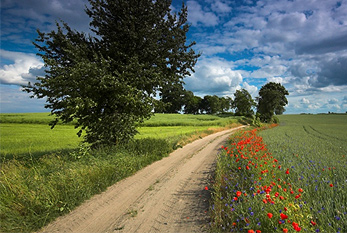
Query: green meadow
[46, 173]
[29, 133]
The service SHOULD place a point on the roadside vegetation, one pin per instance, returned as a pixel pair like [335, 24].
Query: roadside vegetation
[46, 173]
[289, 178]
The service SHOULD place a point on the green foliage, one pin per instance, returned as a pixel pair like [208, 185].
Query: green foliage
[272, 99]
[173, 98]
[243, 103]
[107, 83]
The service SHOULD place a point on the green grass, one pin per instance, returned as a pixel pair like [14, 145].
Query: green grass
[312, 148]
[46, 173]
[29, 133]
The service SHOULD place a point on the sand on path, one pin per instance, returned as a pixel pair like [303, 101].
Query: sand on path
[166, 196]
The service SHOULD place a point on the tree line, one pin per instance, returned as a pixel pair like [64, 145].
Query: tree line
[271, 101]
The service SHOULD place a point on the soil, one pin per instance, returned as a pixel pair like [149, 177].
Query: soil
[166, 196]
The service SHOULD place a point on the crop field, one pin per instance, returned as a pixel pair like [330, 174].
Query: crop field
[29, 133]
[289, 178]
[46, 173]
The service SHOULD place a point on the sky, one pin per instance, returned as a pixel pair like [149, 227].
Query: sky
[301, 44]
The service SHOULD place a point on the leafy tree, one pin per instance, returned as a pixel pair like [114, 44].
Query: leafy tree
[225, 103]
[211, 104]
[192, 103]
[271, 100]
[243, 103]
[106, 82]
[172, 97]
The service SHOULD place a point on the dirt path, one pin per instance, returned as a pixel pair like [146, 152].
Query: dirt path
[167, 196]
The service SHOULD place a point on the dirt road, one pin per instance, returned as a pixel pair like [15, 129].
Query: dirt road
[167, 196]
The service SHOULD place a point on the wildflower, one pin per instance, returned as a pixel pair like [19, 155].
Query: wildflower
[300, 190]
[283, 216]
[251, 231]
[258, 231]
[287, 172]
[238, 193]
[331, 185]
[296, 226]
[313, 223]
[285, 230]
[206, 188]
[269, 215]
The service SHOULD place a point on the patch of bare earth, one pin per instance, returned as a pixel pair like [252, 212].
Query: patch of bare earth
[166, 196]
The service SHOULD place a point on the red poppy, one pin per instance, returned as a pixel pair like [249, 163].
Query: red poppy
[238, 193]
[313, 223]
[206, 188]
[269, 215]
[285, 230]
[331, 185]
[300, 190]
[283, 216]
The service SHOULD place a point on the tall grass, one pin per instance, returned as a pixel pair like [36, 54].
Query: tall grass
[35, 192]
[286, 179]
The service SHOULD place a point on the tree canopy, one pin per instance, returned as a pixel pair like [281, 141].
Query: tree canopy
[271, 100]
[106, 82]
[243, 103]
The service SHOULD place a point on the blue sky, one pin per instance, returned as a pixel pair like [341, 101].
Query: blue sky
[301, 44]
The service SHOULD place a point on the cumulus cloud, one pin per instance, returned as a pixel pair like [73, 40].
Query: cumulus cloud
[214, 77]
[24, 68]
[197, 15]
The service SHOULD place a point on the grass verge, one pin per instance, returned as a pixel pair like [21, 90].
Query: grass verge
[34, 192]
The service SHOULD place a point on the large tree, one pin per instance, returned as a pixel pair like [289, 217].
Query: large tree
[243, 103]
[107, 82]
[271, 100]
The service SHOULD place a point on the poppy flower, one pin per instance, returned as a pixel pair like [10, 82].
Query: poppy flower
[331, 185]
[206, 188]
[285, 230]
[313, 223]
[269, 215]
[283, 216]
[301, 190]
[238, 193]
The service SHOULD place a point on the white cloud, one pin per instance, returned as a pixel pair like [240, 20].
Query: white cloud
[23, 70]
[253, 90]
[305, 101]
[221, 7]
[214, 76]
[197, 15]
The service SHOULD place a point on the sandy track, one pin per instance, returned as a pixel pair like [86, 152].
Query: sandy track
[166, 196]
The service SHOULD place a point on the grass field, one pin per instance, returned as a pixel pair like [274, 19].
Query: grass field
[46, 173]
[29, 133]
[286, 179]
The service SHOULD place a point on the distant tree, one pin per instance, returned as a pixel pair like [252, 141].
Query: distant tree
[191, 103]
[243, 103]
[211, 104]
[271, 100]
[225, 103]
[172, 97]
[106, 82]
